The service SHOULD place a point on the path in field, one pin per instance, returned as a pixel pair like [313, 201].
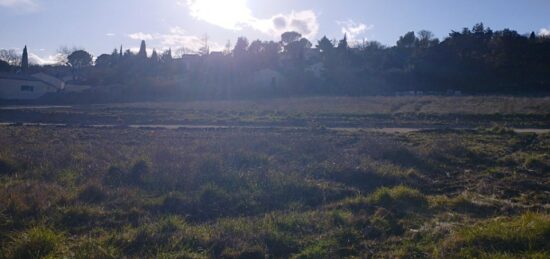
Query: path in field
[273, 127]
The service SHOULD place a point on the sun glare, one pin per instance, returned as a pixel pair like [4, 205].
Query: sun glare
[229, 14]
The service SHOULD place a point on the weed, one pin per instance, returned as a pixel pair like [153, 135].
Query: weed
[37, 242]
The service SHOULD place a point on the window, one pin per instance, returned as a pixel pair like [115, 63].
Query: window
[27, 88]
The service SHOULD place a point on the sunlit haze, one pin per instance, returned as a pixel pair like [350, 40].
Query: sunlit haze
[99, 26]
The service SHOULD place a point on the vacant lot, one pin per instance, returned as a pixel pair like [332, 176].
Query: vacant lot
[357, 112]
[309, 192]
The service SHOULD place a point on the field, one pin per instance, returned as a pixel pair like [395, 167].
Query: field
[298, 178]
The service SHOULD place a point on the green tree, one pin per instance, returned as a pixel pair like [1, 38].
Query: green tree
[343, 44]
[325, 45]
[142, 50]
[79, 60]
[289, 37]
[154, 56]
[407, 41]
[241, 47]
[25, 60]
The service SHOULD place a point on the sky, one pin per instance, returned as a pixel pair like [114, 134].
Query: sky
[99, 26]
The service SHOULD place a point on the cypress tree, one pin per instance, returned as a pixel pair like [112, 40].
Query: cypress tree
[154, 56]
[343, 44]
[142, 50]
[25, 60]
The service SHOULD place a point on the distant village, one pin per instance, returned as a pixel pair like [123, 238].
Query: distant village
[473, 61]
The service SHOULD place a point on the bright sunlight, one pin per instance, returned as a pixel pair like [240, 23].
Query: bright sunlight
[227, 14]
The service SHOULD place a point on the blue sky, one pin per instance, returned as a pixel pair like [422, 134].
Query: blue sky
[101, 25]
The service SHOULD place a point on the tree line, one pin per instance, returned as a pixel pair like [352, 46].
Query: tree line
[474, 60]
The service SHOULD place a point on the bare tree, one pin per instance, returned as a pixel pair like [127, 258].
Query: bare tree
[63, 53]
[426, 39]
[205, 49]
[11, 56]
[183, 51]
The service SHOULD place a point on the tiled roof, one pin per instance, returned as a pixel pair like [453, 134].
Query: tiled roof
[23, 77]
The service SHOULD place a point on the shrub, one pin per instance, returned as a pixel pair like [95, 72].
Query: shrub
[139, 171]
[92, 194]
[382, 224]
[80, 217]
[208, 171]
[501, 130]
[321, 249]
[114, 177]
[400, 197]
[461, 203]
[213, 202]
[529, 232]
[246, 253]
[169, 234]
[6, 168]
[537, 162]
[37, 242]
[280, 244]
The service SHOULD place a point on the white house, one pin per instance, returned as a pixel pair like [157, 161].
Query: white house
[26, 87]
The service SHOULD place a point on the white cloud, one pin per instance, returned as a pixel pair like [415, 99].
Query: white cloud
[38, 60]
[544, 32]
[22, 5]
[236, 15]
[176, 38]
[353, 29]
[140, 36]
[110, 34]
[224, 13]
[304, 22]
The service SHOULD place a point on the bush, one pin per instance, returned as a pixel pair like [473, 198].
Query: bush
[115, 177]
[213, 202]
[537, 162]
[38, 242]
[92, 194]
[6, 168]
[529, 232]
[321, 249]
[400, 197]
[139, 171]
[463, 204]
[80, 217]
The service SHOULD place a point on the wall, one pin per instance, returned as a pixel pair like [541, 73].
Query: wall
[10, 89]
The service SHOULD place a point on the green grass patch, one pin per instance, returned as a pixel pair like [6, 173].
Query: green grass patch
[528, 233]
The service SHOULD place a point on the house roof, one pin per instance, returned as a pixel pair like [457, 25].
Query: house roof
[17, 77]
[23, 77]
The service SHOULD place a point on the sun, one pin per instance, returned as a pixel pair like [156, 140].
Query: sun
[229, 14]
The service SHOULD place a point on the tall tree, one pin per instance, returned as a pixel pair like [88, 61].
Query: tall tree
[25, 60]
[325, 45]
[10, 56]
[240, 47]
[167, 56]
[205, 49]
[105, 60]
[142, 50]
[4, 66]
[154, 56]
[407, 41]
[78, 60]
[426, 39]
[343, 44]
[289, 37]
